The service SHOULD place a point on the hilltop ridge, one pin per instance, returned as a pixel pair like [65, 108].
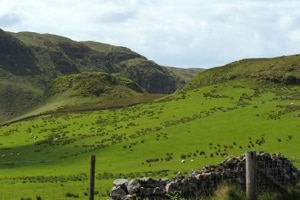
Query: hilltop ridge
[282, 70]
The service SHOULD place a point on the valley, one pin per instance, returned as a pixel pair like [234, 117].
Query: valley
[202, 126]
[63, 101]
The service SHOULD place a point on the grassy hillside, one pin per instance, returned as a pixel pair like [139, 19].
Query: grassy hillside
[14, 98]
[58, 55]
[18, 94]
[280, 70]
[203, 125]
[89, 91]
[252, 104]
[34, 60]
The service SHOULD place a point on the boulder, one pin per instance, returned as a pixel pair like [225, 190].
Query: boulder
[146, 192]
[159, 191]
[133, 186]
[117, 193]
[172, 187]
[120, 182]
[130, 197]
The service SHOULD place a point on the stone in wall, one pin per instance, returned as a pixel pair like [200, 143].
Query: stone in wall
[203, 182]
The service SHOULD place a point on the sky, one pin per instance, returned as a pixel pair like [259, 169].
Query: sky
[179, 33]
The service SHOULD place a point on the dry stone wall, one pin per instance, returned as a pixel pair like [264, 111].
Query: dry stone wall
[274, 170]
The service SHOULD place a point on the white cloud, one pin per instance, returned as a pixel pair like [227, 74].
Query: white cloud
[191, 33]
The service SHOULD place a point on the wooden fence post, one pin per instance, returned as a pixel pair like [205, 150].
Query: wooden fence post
[92, 177]
[251, 188]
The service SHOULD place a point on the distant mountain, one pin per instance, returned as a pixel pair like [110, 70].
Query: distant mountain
[57, 56]
[29, 62]
[184, 75]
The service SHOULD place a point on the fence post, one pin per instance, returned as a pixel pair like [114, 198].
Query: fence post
[251, 174]
[92, 177]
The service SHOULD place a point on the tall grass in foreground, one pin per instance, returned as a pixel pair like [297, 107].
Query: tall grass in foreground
[228, 192]
[232, 192]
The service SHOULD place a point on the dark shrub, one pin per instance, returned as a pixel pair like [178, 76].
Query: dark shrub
[38, 198]
[69, 194]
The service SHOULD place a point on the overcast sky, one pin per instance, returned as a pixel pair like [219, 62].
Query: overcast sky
[182, 33]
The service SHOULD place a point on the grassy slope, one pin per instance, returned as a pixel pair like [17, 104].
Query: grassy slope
[220, 120]
[34, 60]
[284, 69]
[89, 91]
[17, 95]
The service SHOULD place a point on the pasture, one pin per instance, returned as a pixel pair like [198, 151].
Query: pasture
[47, 157]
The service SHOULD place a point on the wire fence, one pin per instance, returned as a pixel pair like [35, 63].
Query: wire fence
[274, 173]
[57, 190]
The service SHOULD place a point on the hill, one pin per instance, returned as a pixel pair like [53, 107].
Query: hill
[89, 91]
[60, 56]
[202, 124]
[29, 62]
[283, 70]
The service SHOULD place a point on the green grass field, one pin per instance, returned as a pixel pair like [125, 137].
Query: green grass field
[48, 156]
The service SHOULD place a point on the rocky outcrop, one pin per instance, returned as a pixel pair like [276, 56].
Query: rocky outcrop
[273, 170]
[15, 57]
[149, 75]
